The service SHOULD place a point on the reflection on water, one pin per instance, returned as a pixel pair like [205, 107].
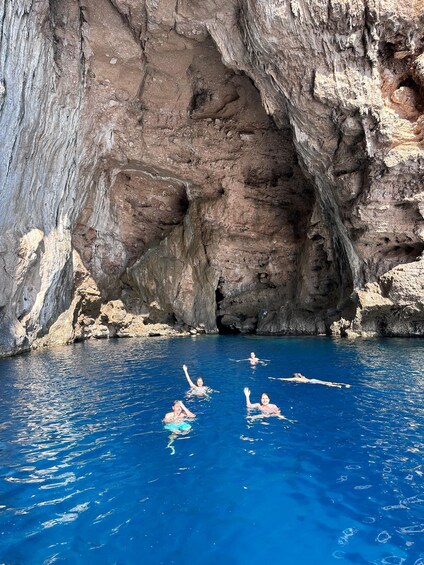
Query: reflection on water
[88, 472]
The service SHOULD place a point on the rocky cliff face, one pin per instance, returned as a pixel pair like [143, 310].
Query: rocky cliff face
[235, 166]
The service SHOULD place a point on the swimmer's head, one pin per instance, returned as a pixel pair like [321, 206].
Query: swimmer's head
[176, 406]
[299, 376]
[252, 355]
[199, 381]
[265, 399]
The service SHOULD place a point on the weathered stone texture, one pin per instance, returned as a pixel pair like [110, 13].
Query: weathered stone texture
[250, 166]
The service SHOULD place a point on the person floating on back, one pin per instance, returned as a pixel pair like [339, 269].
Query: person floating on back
[198, 388]
[299, 378]
[264, 406]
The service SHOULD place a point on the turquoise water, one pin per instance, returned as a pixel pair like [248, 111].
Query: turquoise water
[88, 474]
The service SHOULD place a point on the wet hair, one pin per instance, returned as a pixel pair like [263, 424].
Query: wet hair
[175, 402]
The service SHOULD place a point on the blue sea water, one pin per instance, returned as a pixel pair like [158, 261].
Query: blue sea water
[88, 474]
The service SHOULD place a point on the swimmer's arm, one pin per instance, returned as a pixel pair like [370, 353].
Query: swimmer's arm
[255, 417]
[187, 411]
[190, 382]
[248, 403]
[282, 379]
[282, 417]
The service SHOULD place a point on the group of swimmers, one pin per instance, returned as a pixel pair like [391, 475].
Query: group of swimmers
[176, 421]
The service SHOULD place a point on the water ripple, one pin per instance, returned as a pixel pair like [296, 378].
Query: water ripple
[85, 472]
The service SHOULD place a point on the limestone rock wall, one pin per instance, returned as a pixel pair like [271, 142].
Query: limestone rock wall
[249, 166]
[39, 167]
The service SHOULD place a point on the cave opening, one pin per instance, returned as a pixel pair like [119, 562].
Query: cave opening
[417, 91]
[409, 82]
[223, 329]
[226, 330]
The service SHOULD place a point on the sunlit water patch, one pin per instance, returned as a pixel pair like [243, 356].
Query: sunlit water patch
[89, 475]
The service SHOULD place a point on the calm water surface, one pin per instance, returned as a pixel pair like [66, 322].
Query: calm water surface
[88, 474]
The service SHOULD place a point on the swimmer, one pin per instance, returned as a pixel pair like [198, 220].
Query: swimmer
[253, 360]
[179, 414]
[198, 389]
[264, 405]
[175, 422]
[299, 378]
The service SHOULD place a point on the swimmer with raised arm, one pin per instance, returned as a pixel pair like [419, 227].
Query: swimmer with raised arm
[198, 388]
[299, 378]
[264, 405]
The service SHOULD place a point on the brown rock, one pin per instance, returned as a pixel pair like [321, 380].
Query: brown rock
[233, 166]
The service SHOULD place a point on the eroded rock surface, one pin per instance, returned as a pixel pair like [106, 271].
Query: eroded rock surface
[251, 166]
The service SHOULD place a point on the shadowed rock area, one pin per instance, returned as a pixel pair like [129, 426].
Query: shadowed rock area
[202, 166]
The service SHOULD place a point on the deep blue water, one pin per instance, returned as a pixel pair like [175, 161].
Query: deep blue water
[86, 474]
